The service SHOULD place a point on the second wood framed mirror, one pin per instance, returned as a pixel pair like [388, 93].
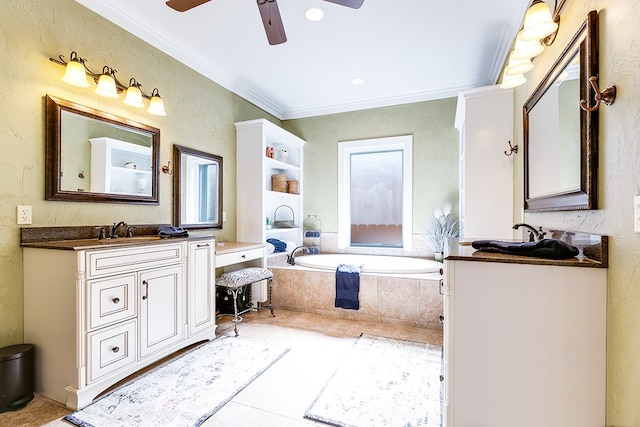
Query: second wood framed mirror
[560, 138]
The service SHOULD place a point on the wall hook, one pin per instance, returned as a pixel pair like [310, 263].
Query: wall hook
[606, 97]
[167, 169]
[512, 149]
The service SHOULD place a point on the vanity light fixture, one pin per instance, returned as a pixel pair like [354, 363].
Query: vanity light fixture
[539, 30]
[76, 73]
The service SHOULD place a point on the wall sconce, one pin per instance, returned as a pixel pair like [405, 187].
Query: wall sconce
[76, 73]
[539, 30]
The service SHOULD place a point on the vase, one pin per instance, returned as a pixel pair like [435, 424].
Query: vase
[438, 256]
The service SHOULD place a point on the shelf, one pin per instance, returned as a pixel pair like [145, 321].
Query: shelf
[281, 230]
[280, 193]
[277, 164]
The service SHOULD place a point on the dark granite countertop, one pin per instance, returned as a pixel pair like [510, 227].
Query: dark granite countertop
[593, 252]
[76, 238]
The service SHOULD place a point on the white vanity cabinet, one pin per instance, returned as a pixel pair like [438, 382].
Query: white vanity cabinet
[525, 345]
[201, 288]
[97, 315]
[255, 199]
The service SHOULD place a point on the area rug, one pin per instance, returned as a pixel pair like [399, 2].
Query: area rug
[383, 382]
[185, 391]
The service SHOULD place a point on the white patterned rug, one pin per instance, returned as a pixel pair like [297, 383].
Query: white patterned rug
[383, 382]
[185, 391]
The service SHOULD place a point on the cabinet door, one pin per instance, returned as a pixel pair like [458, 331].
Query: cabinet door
[201, 286]
[161, 308]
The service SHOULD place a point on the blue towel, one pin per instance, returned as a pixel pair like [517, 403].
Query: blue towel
[278, 244]
[347, 286]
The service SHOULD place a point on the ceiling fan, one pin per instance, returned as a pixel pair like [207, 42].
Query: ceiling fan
[268, 11]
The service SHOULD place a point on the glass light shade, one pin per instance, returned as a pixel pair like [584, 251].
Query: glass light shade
[512, 81]
[526, 49]
[133, 97]
[106, 87]
[75, 75]
[538, 22]
[156, 106]
[518, 66]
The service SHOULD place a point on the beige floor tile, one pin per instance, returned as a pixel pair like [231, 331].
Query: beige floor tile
[281, 395]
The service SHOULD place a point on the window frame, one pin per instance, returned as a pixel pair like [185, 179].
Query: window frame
[403, 143]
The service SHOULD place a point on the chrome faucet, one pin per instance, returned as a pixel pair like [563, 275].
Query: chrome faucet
[291, 257]
[534, 235]
[115, 228]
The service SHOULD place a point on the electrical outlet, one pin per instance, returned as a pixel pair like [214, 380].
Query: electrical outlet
[224, 216]
[24, 215]
[636, 214]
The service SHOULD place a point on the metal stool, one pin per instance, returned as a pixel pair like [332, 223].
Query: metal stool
[236, 281]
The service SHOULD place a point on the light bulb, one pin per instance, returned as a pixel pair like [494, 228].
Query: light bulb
[538, 22]
[74, 74]
[106, 86]
[156, 105]
[133, 97]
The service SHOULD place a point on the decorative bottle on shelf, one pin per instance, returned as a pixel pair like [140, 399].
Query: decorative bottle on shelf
[312, 229]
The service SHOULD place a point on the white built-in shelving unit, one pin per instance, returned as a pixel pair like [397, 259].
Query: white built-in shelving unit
[256, 201]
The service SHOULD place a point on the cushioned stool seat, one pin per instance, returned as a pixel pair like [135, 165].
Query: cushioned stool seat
[235, 283]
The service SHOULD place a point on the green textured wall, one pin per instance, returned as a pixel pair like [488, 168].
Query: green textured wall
[200, 115]
[618, 182]
[435, 154]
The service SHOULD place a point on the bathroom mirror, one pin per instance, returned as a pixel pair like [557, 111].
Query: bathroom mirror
[560, 138]
[93, 156]
[197, 188]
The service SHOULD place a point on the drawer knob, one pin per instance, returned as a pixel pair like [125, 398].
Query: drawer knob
[116, 300]
[115, 349]
[244, 256]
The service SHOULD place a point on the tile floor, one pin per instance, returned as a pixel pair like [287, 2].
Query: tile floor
[281, 395]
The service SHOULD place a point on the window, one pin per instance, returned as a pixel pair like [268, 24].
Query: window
[375, 193]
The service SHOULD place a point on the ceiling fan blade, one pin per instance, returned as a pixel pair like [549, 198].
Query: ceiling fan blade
[354, 4]
[184, 5]
[272, 21]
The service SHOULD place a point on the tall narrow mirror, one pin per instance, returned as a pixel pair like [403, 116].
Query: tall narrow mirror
[197, 188]
[560, 138]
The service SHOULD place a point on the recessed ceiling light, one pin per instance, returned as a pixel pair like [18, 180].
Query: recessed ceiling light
[314, 14]
[357, 81]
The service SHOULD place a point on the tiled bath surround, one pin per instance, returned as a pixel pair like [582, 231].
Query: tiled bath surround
[410, 300]
[405, 301]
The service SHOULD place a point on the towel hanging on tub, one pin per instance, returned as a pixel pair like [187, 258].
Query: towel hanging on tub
[347, 286]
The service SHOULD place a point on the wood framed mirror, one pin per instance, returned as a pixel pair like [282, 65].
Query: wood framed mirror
[560, 138]
[93, 156]
[197, 188]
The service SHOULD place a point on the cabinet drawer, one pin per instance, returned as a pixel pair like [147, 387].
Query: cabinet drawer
[110, 349]
[110, 300]
[115, 261]
[237, 257]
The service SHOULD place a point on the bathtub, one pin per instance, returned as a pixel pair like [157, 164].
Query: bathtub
[393, 290]
[377, 264]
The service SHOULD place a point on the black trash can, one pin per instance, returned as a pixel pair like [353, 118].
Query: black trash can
[16, 376]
